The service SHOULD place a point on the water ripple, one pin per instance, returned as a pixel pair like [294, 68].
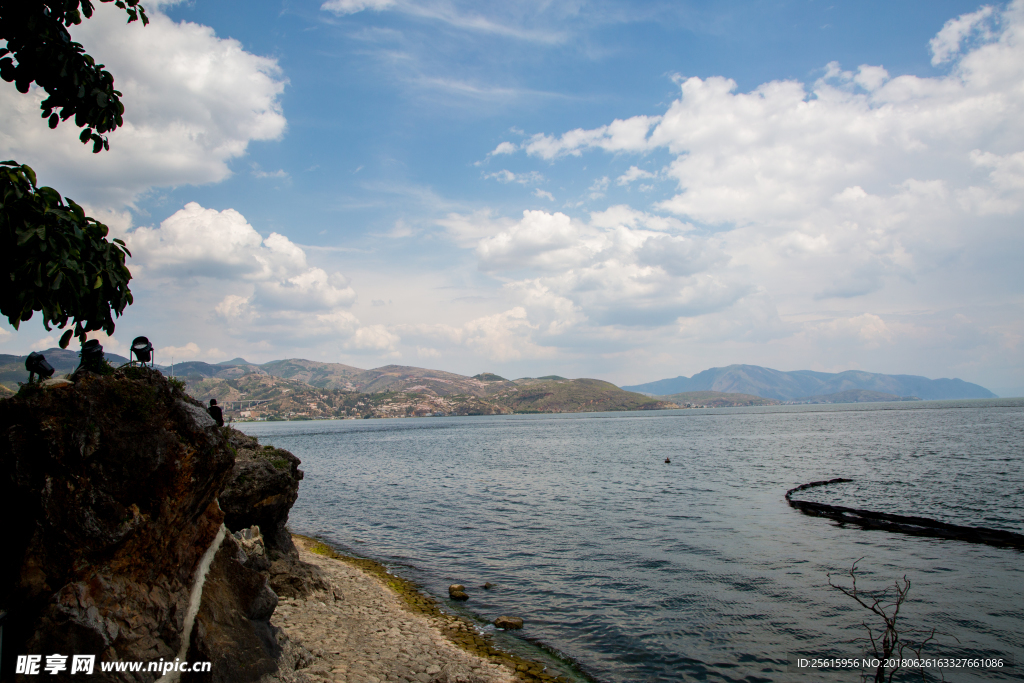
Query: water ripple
[694, 570]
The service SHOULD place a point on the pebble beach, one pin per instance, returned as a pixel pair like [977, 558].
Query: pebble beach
[370, 627]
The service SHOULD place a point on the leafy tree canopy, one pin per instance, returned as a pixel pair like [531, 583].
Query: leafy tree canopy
[57, 259]
[39, 49]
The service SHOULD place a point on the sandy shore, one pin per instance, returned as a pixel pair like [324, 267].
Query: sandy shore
[370, 627]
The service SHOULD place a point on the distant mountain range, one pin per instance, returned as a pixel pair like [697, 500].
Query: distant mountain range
[800, 384]
[235, 380]
[305, 389]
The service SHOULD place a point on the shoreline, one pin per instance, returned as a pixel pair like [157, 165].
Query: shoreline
[384, 629]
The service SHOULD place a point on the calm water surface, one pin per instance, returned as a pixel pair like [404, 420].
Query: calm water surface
[640, 570]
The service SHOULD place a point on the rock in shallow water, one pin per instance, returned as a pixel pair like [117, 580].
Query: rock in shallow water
[508, 623]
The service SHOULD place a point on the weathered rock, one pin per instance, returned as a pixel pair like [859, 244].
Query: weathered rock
[232, 629]
[252, 552]
[487, 586]
[508, 622]
[457, 591]
[108, 494]
[263, 486]
[291, 578]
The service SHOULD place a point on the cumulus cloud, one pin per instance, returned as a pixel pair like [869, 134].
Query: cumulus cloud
[868, 329]
[272, 290]
[504, 336]
[946, 44]
[795, 194]
[180, 353]
[614, 270]
[195, 241]
[193, 102]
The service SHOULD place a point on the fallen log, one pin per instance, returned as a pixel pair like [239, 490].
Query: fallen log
[916, 526]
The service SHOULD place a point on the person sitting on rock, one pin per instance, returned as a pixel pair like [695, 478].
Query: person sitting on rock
[215, 412]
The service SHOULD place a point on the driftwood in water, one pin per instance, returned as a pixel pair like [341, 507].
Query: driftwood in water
[918, 526]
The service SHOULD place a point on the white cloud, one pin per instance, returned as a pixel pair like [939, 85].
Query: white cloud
[503, 148]
[868, 328]
[468, 229]
[871, 77]
[311, 290]
[946, 44]
[268, 290]
[195, 241]
[628, 135]
[541, 240]
[448, 13]
[543, 194]
[504, 336]
[506, 176]
[193, 102]
[372, 338]
[617, 272]
[838, 190]
[353, 6]
[634, 173]
[180, 353]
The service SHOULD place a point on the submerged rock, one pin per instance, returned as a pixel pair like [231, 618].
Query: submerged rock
[457, 591]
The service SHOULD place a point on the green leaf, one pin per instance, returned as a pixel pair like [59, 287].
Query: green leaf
[65, 339]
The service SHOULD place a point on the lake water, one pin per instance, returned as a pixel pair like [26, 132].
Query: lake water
[639, 570]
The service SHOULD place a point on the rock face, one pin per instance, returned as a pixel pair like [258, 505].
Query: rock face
[108, 490]
[263, 487]
[232, 629]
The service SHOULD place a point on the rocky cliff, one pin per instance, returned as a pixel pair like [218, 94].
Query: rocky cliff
[109, 488]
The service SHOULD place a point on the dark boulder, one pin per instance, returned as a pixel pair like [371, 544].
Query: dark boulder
[263, 487]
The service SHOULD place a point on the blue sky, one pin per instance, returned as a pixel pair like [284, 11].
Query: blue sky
[620, 190]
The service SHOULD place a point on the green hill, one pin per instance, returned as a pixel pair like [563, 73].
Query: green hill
[573, 396]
